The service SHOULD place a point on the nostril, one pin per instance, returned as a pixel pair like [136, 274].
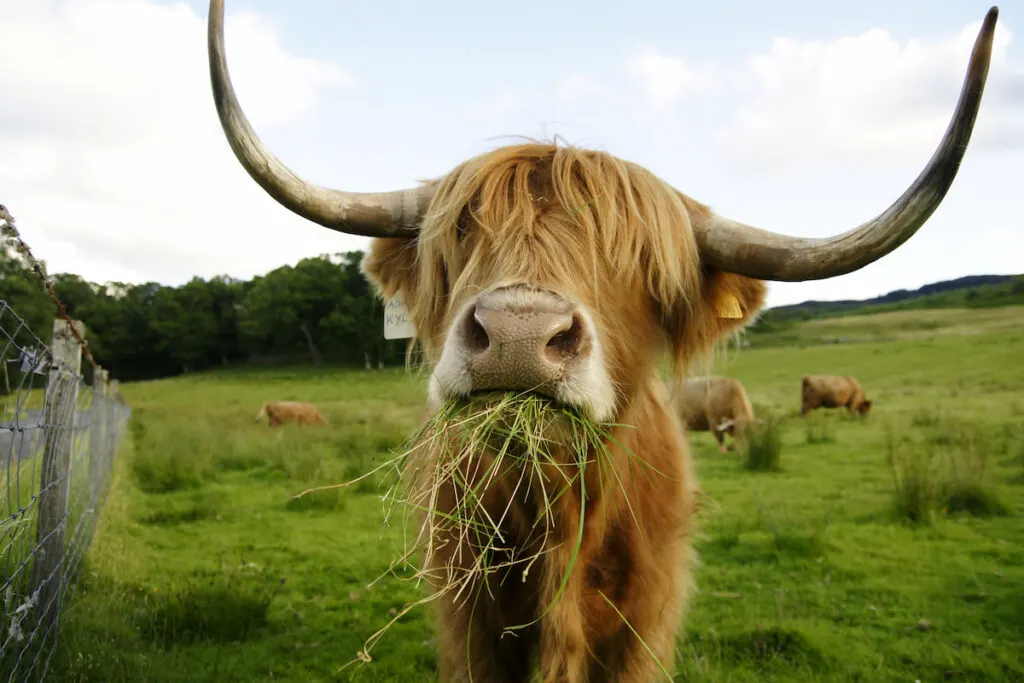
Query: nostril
[476, 336]
[568, 342]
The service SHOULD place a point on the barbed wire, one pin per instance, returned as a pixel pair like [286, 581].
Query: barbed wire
[10, 230]
[60, 437]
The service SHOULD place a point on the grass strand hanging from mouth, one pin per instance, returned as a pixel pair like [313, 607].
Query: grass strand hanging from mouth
[537, 449]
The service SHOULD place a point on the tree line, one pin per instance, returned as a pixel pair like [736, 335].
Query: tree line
[320, 310]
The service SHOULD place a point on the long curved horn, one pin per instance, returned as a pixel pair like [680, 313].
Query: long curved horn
[371, 214]
[734, 247]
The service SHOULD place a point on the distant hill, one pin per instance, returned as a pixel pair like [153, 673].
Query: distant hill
[972, 291]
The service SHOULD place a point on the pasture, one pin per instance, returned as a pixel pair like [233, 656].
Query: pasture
[204, 567]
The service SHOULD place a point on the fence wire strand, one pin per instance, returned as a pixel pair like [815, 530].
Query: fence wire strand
[58, 438]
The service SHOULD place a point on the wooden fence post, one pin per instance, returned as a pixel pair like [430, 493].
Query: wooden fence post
[98, 437]
[59, 414]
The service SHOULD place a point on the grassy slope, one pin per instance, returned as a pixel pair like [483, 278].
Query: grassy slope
[202, 569]
[947, 294]
[782, 326]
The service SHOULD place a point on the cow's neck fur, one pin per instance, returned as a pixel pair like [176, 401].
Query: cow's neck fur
[624, 529]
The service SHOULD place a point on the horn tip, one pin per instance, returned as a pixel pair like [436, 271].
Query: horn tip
[983, 44]
[990, 18]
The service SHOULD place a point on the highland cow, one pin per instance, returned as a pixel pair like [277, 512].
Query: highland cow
[831, 391]
[719, 405]
[279, 412]
[565, 272]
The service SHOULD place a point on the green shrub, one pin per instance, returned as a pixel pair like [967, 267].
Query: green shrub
[819, 429]
[917, 494]
[761, 447]
[943, 467]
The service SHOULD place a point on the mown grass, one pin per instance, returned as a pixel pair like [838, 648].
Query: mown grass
[207, 568]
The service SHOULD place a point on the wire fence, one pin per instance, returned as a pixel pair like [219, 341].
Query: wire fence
[58, 440]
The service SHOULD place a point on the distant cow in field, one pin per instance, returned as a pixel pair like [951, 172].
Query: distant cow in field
[719, 405]
[279, 412]
[832, 391]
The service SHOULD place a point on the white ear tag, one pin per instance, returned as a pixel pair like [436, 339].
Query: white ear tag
[397, 323]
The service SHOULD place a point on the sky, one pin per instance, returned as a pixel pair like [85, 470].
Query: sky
[783, 115]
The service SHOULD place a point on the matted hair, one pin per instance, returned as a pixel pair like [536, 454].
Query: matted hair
[546, 210]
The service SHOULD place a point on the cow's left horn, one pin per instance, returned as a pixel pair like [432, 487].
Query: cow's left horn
[734, 247]
[371, 214]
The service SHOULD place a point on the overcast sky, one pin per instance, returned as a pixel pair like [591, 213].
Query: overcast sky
[795, 119]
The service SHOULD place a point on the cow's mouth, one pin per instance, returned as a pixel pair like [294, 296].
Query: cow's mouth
[529, 424]
[513, 401]
[490, 395]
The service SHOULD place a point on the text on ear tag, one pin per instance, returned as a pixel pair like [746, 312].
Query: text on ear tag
[397, 322]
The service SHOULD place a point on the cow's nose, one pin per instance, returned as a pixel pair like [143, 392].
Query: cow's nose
[521, 345]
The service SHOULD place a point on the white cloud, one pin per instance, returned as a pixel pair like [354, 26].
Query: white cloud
[864, 96]
[867, 96]
[835, 128]
[114, 162]
[668, 80]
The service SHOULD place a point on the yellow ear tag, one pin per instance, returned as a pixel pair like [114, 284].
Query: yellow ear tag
[729, 307]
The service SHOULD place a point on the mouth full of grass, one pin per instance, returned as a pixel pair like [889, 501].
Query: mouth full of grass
[481, 483]
[482, 460]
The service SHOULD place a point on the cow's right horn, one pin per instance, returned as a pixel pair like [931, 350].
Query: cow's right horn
[734, 247]
[371, 214]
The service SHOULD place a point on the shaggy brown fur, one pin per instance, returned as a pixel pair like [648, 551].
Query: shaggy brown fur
[279, 412]
[719, 405]
[614, 237]
[831, 391]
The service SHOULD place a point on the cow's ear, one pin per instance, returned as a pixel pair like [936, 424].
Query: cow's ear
[726, 303]
[395, 265]
[390, 266]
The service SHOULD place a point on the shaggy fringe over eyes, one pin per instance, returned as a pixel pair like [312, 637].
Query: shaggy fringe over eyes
[540, 207]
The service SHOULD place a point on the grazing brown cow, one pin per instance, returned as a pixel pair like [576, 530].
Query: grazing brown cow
[719, 405]
[279, 412]
[832, 391]
[563, 271]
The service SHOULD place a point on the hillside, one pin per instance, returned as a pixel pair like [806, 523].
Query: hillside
[972, 292]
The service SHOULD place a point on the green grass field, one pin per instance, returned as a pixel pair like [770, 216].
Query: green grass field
[205, 569]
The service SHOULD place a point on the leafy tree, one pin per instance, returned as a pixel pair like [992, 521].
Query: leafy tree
[185, 323]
